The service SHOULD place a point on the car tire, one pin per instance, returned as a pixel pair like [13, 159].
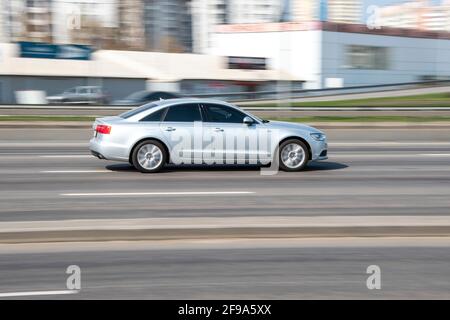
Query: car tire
[149, 156]
[293, 155]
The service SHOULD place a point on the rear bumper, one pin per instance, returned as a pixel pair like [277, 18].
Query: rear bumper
[108, 151]
[97, 154]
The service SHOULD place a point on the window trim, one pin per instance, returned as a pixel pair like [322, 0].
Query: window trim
[137, 115]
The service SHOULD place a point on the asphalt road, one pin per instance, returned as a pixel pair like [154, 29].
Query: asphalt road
[288, 269]
[369, 172]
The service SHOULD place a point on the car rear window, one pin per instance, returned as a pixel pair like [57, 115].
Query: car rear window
[135, 111]
[154, 116]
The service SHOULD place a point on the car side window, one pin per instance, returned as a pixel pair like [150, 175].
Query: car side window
[221, 113]
[155, 116]
[188, 112]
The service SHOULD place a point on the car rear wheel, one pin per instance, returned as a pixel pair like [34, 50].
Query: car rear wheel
[294, 155]
[149, 156]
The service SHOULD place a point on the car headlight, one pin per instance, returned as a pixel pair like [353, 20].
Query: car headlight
[318, 136]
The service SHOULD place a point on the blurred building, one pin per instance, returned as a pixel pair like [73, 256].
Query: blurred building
[3, 25]
[29, 20]
[254, 11]
[419, 14]
[168, 25]
[304, 10]
[345, 11]
[131, 24]
[206, 14]
[327, 54]
[74, 20]
[341, 11]
[37, 20]
[121, 73]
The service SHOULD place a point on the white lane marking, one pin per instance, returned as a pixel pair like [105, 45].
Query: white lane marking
[182, 193]
[67, 156]
[36, 293]
[436, 154]
[75, 171]
[387, 155]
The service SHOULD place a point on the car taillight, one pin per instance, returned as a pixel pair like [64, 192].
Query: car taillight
[103, 128]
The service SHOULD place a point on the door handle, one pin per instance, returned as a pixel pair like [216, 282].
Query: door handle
[218, 130]
[170, 129]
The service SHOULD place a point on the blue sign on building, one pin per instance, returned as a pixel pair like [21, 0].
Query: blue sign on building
[54, 51]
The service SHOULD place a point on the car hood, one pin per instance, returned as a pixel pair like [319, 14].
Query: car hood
[292, 126]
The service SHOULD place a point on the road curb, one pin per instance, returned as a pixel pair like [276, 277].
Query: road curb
[221, 233]
[222, 227]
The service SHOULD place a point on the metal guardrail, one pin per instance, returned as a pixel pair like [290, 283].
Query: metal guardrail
[261, 96]
[305, 93]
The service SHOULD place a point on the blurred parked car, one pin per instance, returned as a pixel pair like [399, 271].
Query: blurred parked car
[81, 95]
[141, 97]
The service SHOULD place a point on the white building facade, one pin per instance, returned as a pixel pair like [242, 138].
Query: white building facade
[328, 54]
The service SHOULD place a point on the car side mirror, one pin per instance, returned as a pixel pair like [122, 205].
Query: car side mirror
[248, 121]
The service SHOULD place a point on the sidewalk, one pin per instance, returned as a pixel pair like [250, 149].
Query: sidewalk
[221, 228]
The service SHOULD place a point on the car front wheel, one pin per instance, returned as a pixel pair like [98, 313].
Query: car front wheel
[294, 155]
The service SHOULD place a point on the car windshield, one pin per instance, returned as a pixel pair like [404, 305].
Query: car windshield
[137, 110]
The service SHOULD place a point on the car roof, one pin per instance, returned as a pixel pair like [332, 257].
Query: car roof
[160, 104]
[164, 102]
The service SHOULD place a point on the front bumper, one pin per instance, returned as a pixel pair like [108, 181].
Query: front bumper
[319, 151]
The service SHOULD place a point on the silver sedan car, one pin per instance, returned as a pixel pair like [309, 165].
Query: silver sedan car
[203, 131]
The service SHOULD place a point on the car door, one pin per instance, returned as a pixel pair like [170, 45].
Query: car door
[230, 140]
[182, 130]
[82, 95]
[94, 95]
[68, 95]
